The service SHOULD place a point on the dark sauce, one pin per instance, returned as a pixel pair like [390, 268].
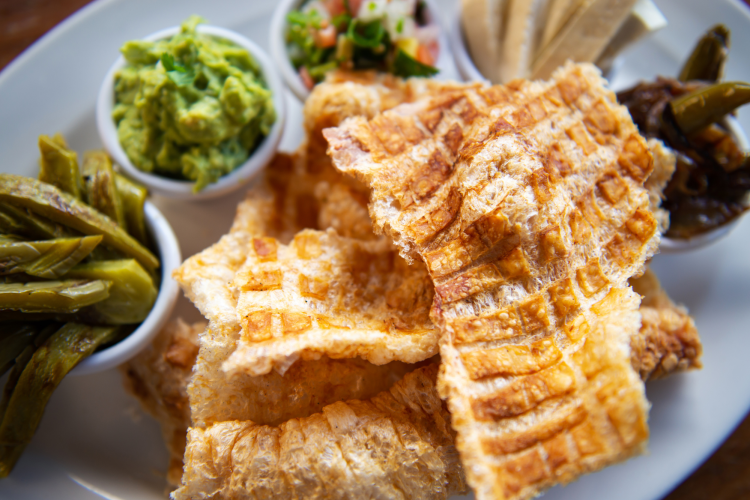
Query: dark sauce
[712, 179]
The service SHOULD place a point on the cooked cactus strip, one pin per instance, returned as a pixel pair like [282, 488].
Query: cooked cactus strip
[40, 377]
[52, 296]
[133, 197]
[20, 221]
[46, 259]
[14, 338]
[130, 298]
[101, 193]
[50, 202]
[59, 165]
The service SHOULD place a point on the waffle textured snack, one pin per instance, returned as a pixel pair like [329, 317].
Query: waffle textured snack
[526, 203]
[325, 294]
[296, 191]
[398, 444]
[216, 395]
[158, 379]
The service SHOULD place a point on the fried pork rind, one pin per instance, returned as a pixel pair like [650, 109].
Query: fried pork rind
[305, 191]
[526, 203]
[665, 164]
[328, 295]
[306, 387]
[158, 378]
[668, 341]
[399, 444]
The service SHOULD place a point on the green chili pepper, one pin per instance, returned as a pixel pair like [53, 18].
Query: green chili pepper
[698, 109]
[706, 62]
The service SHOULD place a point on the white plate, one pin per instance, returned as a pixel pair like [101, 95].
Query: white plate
[94, 441]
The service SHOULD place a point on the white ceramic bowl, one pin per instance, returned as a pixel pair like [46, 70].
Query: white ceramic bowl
[184, 189]
[464, 62]
[170, 256]
[468, 69]
[676, 245]
[280, 55]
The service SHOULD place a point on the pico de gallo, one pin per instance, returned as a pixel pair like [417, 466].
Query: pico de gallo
[394, 36]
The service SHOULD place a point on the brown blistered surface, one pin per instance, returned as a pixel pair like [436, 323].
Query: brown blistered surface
[326, 294]
[526, 203]
[296, 192]
[398, 444]
[268, 216]
[158, 379]
[668, 341]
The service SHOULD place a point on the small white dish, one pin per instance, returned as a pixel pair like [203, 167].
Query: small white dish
[678, 245]
[280, 55]
[170, 257]
[468, 70]
[184, 189]
[464, 62]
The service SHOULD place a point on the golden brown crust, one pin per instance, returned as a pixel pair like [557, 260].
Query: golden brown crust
[667, 341]
[158, 379]
[328, 295]
[398, 444]
[529, 235]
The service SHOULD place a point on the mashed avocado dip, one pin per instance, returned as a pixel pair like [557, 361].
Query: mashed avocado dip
[191, 107]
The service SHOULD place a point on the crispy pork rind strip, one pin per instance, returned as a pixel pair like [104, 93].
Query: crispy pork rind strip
[296, 192]
[527, 204]
[328, 295]
[306, 387]
[216, 396]
[399, 444]
[665, 164]
[158, 379]
[668, 341]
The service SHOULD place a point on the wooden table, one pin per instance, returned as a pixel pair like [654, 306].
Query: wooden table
[724, 476]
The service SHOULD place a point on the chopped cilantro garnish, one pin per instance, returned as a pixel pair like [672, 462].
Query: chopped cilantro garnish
[406, 66]
[176, 72]
[367, 35]
[341, 21]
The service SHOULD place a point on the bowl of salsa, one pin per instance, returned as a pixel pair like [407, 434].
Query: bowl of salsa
[313, 37]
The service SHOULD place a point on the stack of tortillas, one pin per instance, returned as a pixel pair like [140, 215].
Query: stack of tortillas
[511, 39]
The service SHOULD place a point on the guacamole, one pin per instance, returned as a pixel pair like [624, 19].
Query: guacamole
[191, 107]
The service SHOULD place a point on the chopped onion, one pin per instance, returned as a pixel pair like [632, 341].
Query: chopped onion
[372, 10]
[427, 34]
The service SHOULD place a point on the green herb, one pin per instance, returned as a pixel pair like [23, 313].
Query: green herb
[367, 35]
[400, 25]
[176, 72]
[341, 21]
[406, 66]
[317, 73]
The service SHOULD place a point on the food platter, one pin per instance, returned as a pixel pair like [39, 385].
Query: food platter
[95, 441]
